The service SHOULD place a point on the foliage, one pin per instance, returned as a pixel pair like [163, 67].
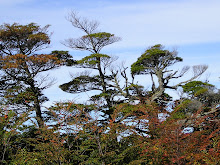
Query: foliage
[64, 56]
[93, 41]
[21, 83]
[10, 122]
[136, 129]
[203, 92]
[154, 57]
[93, 60]
[19, 39]
[81, 84]
[196, 88]
[156, 61]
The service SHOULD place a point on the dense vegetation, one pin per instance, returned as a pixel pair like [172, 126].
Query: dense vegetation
[123, 124]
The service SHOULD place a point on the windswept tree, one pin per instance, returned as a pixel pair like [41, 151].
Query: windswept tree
[21, 81]
[202, 92]
[93, 41]
[156, 61]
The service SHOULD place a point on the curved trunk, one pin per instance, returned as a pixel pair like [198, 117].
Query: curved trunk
[160, 89]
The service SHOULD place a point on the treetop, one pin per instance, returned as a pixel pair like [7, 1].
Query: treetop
[23, 39]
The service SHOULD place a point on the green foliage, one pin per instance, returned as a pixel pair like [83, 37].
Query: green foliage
[181, 110]
[31, 38]
[93, 59]
[108, 94]
[82, 84]
[9, 124]
[105, 131]
[179, 115]
[100, 35]
[93, 41]
[98, 144]
[72, 107]
[65, 57]
[21, 95]
[128, 108]
[203, 92]
[196, 88]
[154, 57]
[44, 146]
[20, 66]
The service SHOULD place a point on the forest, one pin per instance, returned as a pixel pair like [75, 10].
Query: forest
[123, 123]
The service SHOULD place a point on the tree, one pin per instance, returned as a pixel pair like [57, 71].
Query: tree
[64, 56]
[195, 88]
[21, 82]
[93, 41]
[202, 91]
[20, 39]
[156, 61]
[9, 122]
[88, 141]
[41, 146]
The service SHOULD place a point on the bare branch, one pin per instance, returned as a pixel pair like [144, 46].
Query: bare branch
[94, 40]
[107, 62]
[82, 23]
[184, 70]
[78, 44]
[45, 81]
[198, 70]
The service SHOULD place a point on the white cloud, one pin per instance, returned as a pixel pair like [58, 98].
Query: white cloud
[173, 23]
[140, 24]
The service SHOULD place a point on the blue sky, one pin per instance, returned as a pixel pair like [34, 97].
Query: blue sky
[190, 26]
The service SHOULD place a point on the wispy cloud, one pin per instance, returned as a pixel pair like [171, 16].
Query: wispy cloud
[174, 23]
[138, 23]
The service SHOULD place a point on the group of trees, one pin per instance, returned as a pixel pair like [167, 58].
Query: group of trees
[111, 129]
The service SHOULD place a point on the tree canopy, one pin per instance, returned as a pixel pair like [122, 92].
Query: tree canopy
[124, 123]
[156, 62]
[21, 66]
[19, 39]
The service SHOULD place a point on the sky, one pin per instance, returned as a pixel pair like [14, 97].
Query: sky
[190, 26]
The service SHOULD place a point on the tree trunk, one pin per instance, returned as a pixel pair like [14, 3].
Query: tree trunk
[160, 89]
[107, 98]
[30, 81]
